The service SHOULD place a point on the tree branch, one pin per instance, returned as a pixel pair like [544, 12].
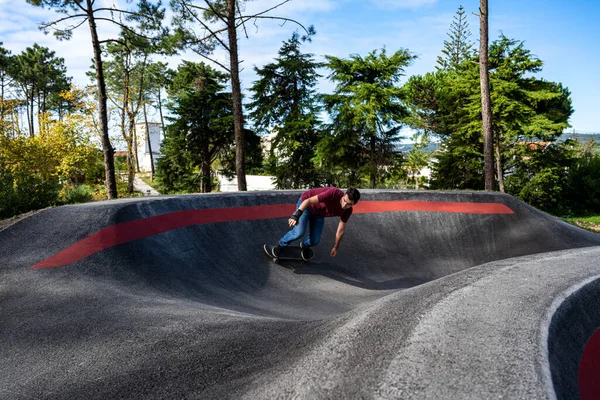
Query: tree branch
[270, 9]
[45, 25]
[249, 17]
[79, 24]
[212, 34]
[221, 17]
[215, 61]
[126, 28]
[243, 24]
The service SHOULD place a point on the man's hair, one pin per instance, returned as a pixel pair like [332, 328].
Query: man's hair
[353, 194]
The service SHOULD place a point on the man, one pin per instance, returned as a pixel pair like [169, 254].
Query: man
[313, 207]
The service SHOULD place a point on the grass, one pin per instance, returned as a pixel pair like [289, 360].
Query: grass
[591, 223]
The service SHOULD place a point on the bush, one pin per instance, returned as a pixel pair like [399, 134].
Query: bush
[76, 194]
[583, 195]
[23, 191]
[545, 191]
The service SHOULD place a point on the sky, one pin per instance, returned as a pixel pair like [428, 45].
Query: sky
[563, 34]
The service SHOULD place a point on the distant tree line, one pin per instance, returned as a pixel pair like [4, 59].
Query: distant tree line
[348, 137]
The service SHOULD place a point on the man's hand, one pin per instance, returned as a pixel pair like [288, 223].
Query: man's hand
[294, 218]
[334, 252]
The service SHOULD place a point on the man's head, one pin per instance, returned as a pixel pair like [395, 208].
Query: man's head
[350, 198]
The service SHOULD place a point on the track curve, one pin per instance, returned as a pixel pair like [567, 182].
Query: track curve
[173, 296]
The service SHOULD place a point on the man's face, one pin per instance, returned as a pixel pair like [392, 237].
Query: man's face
[346, 202]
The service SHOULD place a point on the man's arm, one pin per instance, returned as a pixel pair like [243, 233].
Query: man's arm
[341, 229]
[303, 206]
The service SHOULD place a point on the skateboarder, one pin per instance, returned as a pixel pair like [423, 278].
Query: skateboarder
[313, 207]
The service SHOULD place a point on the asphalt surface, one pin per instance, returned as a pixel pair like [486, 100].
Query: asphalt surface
[173, 297]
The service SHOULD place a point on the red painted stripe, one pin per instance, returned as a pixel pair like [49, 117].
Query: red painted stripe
[589, 369]
[432, 206]
[127, 231]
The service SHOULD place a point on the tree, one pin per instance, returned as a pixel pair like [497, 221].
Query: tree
[6, 61]
[218, 19]
[148, 18]
[367, 110]
[159, 78]
[284, 102]
[40, 75]
[416, 160]
[486, 107]
[459, 49]
[201, 128]
[525, 109]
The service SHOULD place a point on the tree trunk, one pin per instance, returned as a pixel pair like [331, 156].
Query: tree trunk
[136, 148]
[28, 119]
[236, 94]
[373, 164]
[499, 173]
[162, 120]
[129, 139]
[206, 181]
[107, 149]
[128, 136]
[149, 144]
[486, 107]
[31, 116]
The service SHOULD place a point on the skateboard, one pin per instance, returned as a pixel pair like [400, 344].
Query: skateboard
[287, 253]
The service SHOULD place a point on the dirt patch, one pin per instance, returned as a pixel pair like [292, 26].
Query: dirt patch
[590, 226]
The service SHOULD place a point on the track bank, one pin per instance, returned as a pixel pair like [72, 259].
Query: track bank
[432, 294]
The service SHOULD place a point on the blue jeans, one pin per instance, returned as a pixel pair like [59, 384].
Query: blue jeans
[315, 223]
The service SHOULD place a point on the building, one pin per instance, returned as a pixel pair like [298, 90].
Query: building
[143, 150]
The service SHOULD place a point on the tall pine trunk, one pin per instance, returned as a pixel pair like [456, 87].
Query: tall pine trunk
[236, 93]
[373, 163]
[486, 107]
[206, 179]
[128, 132]
[162, 119]
[107, 149]
[149, 143]
[499, 172]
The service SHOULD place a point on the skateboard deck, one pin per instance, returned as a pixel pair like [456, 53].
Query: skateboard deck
[287, 253]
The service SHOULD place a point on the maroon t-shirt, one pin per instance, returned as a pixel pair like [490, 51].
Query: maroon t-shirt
[329, 205]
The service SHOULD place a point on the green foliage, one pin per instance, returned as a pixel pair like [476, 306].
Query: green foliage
[200, 131]
[525, 109]
[459, 48]
[583, 191]
[34, 169]
[284, 102]
[22, 190]
[416, 159]
[225, 164]
[367, 111]
[41, 77]
[72, 194]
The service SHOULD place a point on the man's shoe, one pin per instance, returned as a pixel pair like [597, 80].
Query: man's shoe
[276, 250]
[306, 253]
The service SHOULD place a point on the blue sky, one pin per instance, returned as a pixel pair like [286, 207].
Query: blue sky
[563, 34]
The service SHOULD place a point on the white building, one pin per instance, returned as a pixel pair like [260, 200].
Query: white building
[143, 150]
[253, 182]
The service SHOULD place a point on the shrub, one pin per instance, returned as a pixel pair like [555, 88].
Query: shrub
[76, 194]
[23, 191]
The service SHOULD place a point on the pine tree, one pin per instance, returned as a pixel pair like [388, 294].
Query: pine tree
[75, 13]
[459, 48]
[213, 24]
[202, 127]
[284, 102]
[367, 109]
